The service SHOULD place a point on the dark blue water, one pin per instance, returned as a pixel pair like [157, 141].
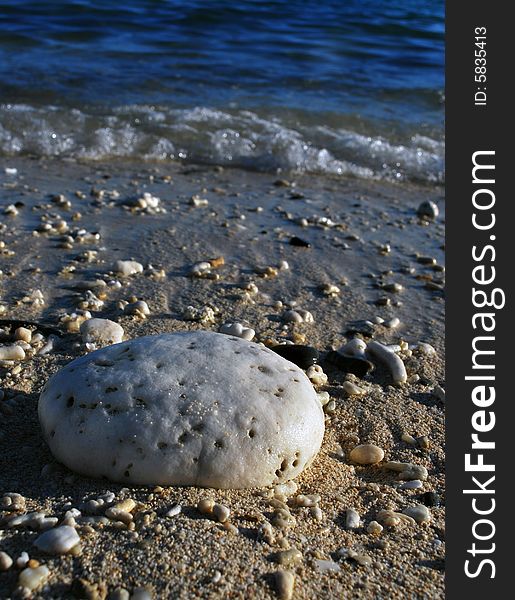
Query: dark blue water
[344, 86]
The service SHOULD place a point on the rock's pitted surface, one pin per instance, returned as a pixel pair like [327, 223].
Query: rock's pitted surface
[197, 408]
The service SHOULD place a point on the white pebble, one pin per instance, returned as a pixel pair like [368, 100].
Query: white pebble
[390, 359]
[12, 352]
[238, 330]
[5, 561]
[57, 541]
[101, 332]
[33, 578]
[352, 520]
[126, 268]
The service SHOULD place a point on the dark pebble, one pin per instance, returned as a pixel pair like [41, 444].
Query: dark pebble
[297, 241]
[431, 499]
[350, 364]
[302, 356]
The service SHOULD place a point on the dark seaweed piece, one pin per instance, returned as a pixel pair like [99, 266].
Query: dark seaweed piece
[297, 241]
[350, 364]
[302, 356]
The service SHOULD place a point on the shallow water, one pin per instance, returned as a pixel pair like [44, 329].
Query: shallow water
[352, 87]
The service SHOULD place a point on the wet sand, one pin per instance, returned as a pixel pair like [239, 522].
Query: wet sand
[363, 236]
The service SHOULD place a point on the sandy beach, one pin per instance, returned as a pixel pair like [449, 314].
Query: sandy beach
[64, 223]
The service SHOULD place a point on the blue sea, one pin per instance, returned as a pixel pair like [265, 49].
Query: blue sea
[351, 87]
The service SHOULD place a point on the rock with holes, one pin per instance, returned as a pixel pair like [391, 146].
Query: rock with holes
[196, 408]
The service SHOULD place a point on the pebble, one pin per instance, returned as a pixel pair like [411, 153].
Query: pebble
[419, 513]
[288, 558]
[139, 308]
[327, 565]
[238, 330]
[284, 583]
[205, 506]
[126, 268]
[57, 541]
[22, 560]
[233, 430]
[414, 484]
[119, 594]
[316, 375]
[407, 471]
[23, 334]
[352, 520]
[352, 389]
[392, 323]
[101, 332]
[428, 210]
[221, 513]
[174, 511]
[390, 359]
[302, 356]
[374, 528]
[5, 561]
[33, 578]
[12, 352]
[366, 454]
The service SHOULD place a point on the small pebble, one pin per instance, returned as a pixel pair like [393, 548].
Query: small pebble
[287, 558]
[221, 512]
[284, 583]
[374, 528]
[428, 210]
[205, 506]
[5, 561]
[352, 520]
[33, 578]
[419, 512]
[126, 268]
[57, 541]
[366, 454]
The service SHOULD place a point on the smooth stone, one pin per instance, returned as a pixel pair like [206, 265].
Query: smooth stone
[350, 364]
[352, 520]
[419, 512]
[102, 332]
[428, 210]
[126, 268]
[366, 454]
[57, 541]
[33, 578]
[302, 356]
[195, 408]
[238, 330]
[414, 484]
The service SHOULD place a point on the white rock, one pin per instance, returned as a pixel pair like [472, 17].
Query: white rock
[352, 520]
[12, 352]
[5, 561]
[238, 330]
[33, 578]
[58, 541]
[390, 359]
[415, 484]
[355, 347]
[126, 268]
[101, 332]
[195, 408]
[419, 512]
